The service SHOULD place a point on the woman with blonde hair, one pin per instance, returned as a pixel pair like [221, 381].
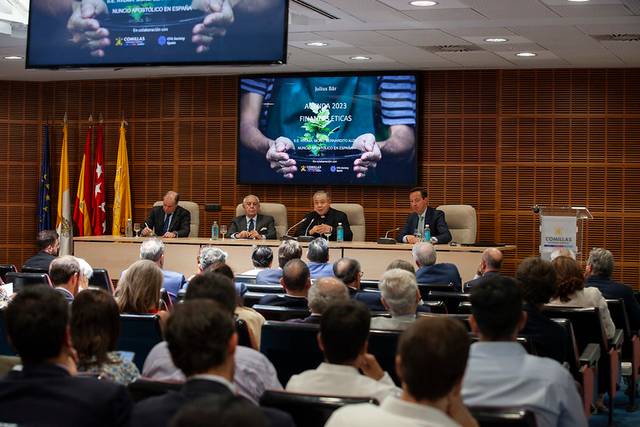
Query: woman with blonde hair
[139, 290]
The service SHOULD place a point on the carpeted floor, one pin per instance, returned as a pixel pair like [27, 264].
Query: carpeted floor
[621, 418]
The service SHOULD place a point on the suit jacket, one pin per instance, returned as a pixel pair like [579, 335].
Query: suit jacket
[41, 260]
[475, 282]
[441, 273]
[158, 411]
[270, 276]
[284, 301]
[239, 224]
[549, 338]
[173, 282]
[614, 290]
[180, 221]
[437, 225]
[333, 217]
[45, 394]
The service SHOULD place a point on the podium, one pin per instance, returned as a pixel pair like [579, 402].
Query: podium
[562, 227]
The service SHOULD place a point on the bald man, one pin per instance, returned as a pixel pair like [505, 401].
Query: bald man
[168, 220]
[490, 265]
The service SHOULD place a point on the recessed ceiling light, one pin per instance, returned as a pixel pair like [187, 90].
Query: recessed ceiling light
[317, 44]
[360, 58]
[423, 3]
[13, 57]
[526, 54]
[496, 40]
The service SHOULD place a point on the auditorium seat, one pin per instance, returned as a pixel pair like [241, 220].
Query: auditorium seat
[139, 333]
[100, 279]
[20, 280]
[277, 210]
[244, 336]
[4, 269]
[142, 388]
[252, 298]
[451, 299]
[5, 347]
[274, 312]
[308, 410]
[462, 222]
[241, 278]
[441, 287]
[355, 214]
[194, 210]
[265, 289]
[34, 270]
[503, 417]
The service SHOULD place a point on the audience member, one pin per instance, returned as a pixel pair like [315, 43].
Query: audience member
[326, 292]
[490, 265]
[252, 225]
[139, 290]
[220, 411]
[400, 296]
[598, 273]
[349, 271]
[202, 341]
[95, 327]
[153, 250]
[208, 255]
[432, 356]
[344, 332]
[46, 390]
[261, 258]
[288, 250]
[318, 256]
[537, 280]
[499, 370]
[562, 252]
[403, 264]
[168, 220]
[424, 255]
[296, 282]
[48, 245]
[66, 276]
[253, 372]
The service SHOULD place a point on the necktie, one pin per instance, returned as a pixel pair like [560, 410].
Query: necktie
[421, 224]
[167, 221]
[251, 225]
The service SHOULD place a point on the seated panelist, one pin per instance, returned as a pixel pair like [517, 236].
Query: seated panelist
[168, 220]
[424, 215]
[252, 225]
[324, 220]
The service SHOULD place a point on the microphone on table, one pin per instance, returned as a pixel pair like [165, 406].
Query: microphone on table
[386, 240]
[305, 237]
[287, 236]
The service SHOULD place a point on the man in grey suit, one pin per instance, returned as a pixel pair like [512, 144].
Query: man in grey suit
[252, 225]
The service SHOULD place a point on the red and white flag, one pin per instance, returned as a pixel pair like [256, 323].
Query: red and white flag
[99, 219]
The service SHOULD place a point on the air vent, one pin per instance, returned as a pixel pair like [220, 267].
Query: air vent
[314, 9]
[451, 48]
[623, 37]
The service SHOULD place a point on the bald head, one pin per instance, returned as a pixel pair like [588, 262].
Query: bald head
[348, 270]
[296, 278]
[326, 291]
[491, 260]
[170, 202]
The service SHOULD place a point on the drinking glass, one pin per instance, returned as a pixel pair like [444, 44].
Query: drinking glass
[223, 230]
[418, 235]
[136, 229]
[327, 235]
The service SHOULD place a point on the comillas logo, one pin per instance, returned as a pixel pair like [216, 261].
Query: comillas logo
[134, 39]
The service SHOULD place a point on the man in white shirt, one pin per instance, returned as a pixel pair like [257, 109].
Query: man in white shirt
[501, 373]
[344, 331]
[431, 360]
[400, 295]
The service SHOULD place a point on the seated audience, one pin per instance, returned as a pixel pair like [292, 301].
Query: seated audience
[537, 280]
[202, 341]
[572, 293]
[95, 327]
[253, 372]
[403, 264]
[501, 373]
[373, 298]
[223, 411]
[46, 390]
[252, 225]
[208, 255]
[318, 256]
[431, 361]
[424, 255]
[400, 296]
[344, 333]
[349, 271]
[288, 250]
[153, 250]
[325, 292]
[139, 290]
[296, 282]
[66, 276]
[598, 273]
[261, 258]
[48, 245]
[490, 265]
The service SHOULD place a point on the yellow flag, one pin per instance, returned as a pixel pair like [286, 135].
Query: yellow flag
[63, 223]
[122, 187]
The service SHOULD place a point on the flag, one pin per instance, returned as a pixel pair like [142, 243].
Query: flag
[121, 187]
[44, 198]
[99, 219]
[64, 226]
[84, 199]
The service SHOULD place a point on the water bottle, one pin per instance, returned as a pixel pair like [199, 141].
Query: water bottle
[340, 233]
[427, 233]
[215, 230]
[128, 231]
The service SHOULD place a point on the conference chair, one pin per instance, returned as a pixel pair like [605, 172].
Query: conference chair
[462, 222]
[34, 270]
[249, 280]
[139, 333]
[21, 280]
[273, 312]
[436, 306]
[451, 299]
[5, 348]
[265, 289]
[355, 215]
[503, 417]
[244, 336]
[308, 410]
[463, 318]
[194, 210]
[6, 268]
[383, 345]
[630, 346]
[277, 210]
[142, 389]
[100, 279]
[252, 298]
[440, 287]
[369, 284]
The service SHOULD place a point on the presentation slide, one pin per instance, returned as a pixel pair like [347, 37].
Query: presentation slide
[154, 32]
[340, 129]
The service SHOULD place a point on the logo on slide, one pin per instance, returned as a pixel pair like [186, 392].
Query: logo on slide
[162, 40]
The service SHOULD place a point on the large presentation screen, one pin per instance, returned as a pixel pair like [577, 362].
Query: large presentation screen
[114, 33]
[328, 129]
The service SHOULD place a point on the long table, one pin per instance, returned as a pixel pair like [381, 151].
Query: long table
[117, 253]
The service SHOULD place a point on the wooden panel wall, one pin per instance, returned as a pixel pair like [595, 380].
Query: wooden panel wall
[501, 141]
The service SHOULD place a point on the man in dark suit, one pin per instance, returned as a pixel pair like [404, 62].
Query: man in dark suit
[48, 246]
[252, 225]
[424, 215]
[202, 341]
[324, 219]
[296, 281]
[598, 273]
[424, 255]
[168, 220]
[490, 265]
[350, 272]
[45, 391]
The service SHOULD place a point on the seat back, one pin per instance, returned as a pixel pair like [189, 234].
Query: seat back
[437, 306]
[462, 222]
[21, 280]
[5, 347]
[308, 410]
[618, 313]
[503, 417]
[139, 333]
[355, 214]
[451, 299]
[277, 210]
[586, 324]
[441, 287]
[6, 268]
[573, 354]
[244, 337]
[265, 289]
[101, 279]
[34, 270]
[194, 210]
[142, 389]
[383, 345]
[272, 312]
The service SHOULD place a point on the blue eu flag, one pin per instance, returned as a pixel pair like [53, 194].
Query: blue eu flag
[44, 199]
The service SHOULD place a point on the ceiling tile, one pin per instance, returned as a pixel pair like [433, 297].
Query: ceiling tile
[424, 37]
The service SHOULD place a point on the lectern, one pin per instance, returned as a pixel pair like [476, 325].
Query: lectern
[562, 227]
